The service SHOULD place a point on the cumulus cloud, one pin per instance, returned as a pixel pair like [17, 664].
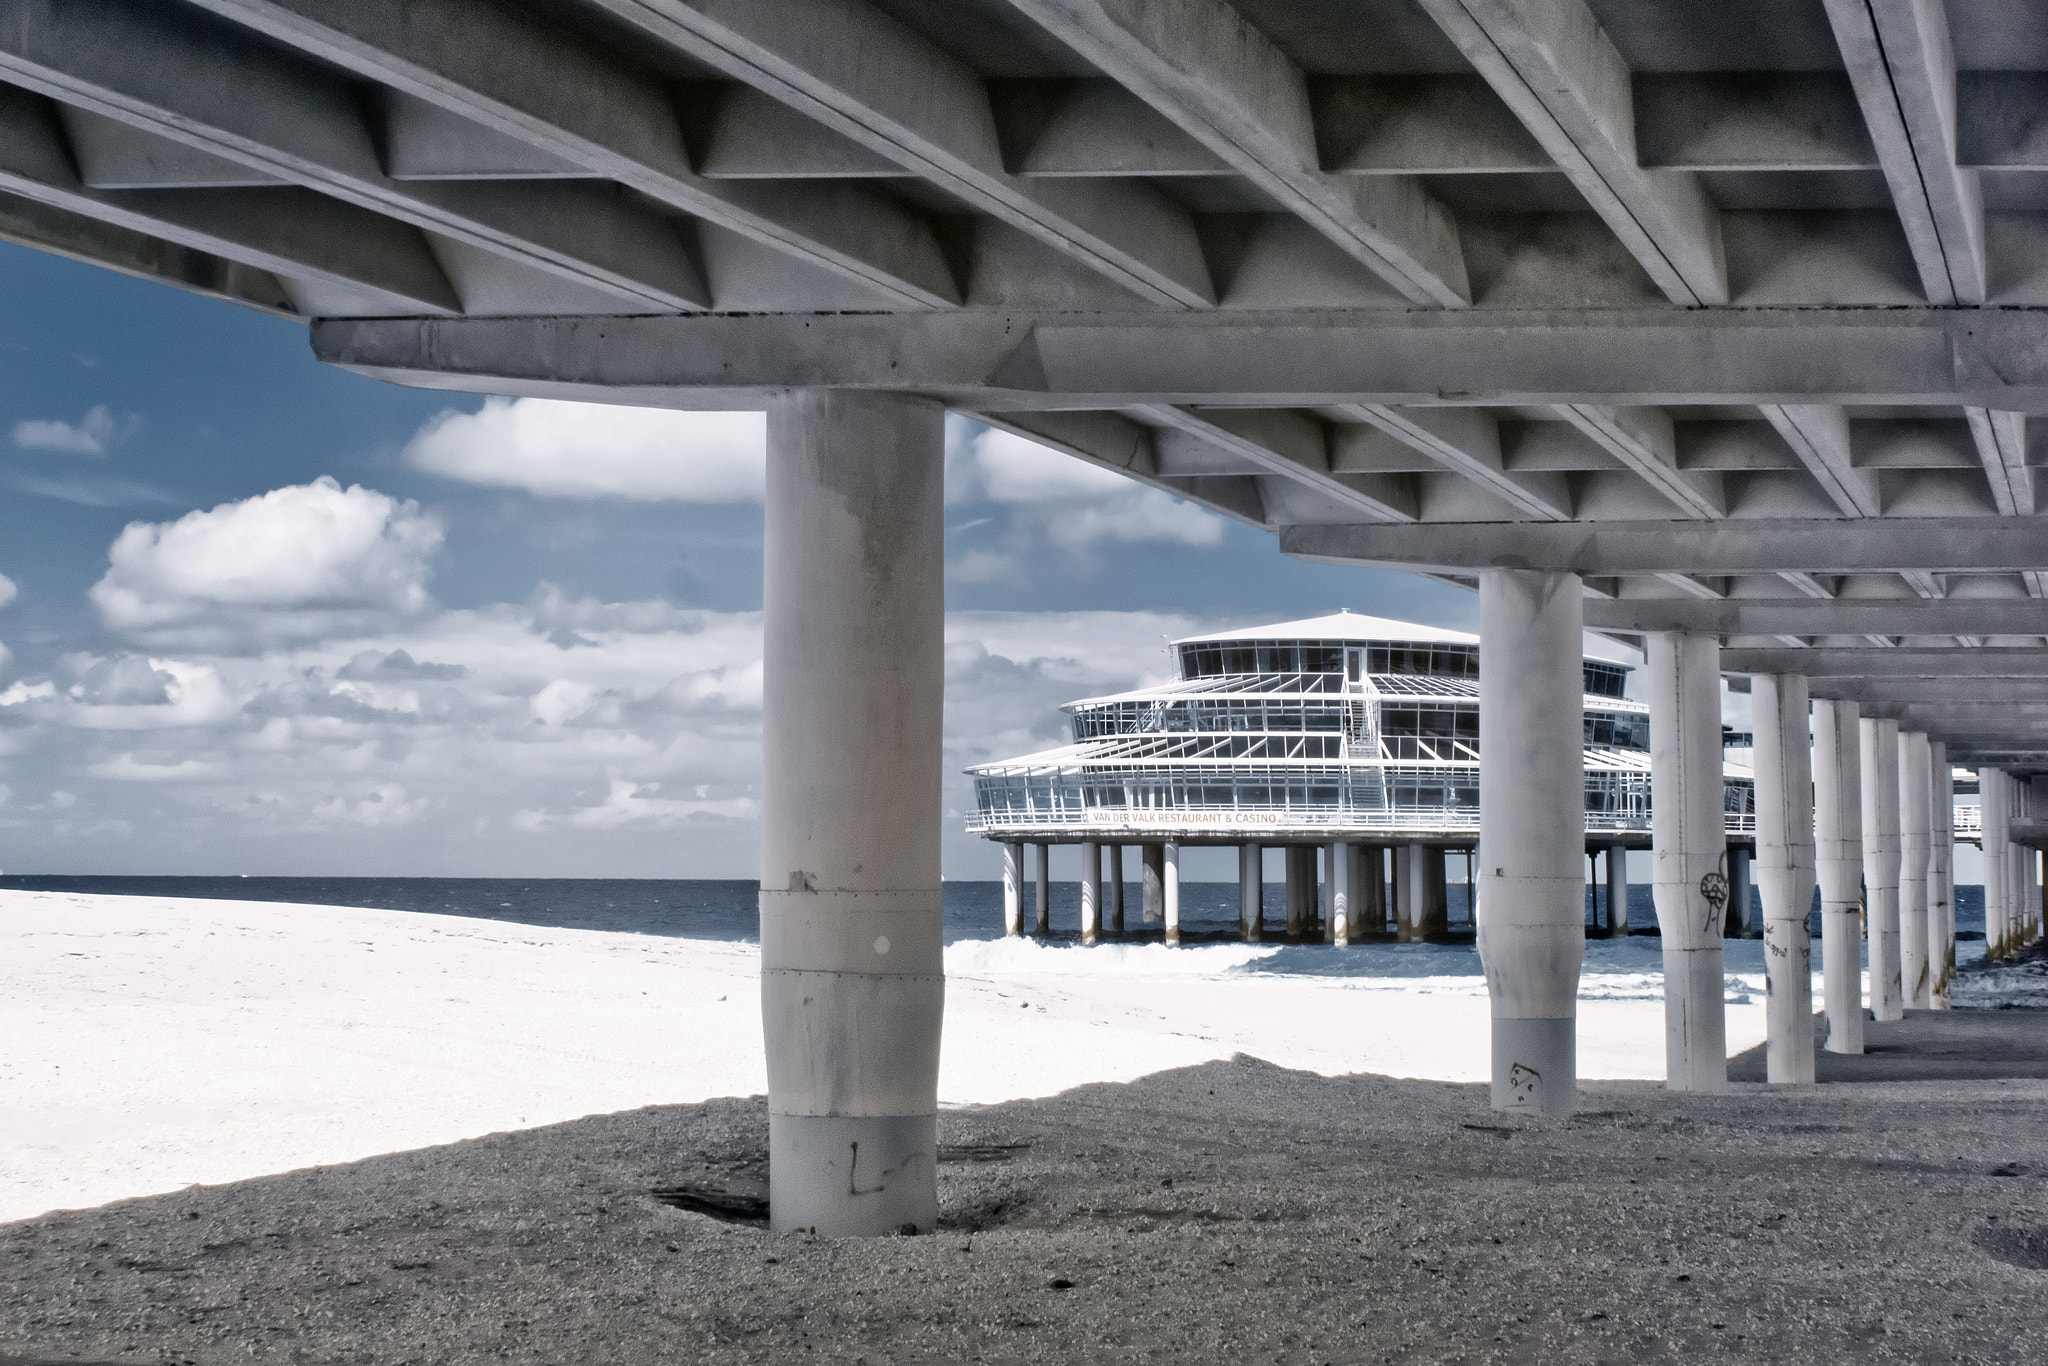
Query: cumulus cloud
[8, 591]
[92, 434]
[598, 450]
[298, 563]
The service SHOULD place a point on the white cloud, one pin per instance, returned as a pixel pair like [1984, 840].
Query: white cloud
[90, 435]
[8, 591]
[297, 563]
[598, 450]
[383, 806]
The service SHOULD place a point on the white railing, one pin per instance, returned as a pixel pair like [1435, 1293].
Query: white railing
[1970, 823]
[1240, 820]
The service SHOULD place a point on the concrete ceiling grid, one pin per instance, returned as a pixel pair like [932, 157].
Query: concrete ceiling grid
[1735, 310]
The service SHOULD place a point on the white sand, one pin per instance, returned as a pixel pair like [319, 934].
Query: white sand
[153, 1043]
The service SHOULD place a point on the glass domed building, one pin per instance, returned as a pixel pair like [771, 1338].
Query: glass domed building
[1348, 731]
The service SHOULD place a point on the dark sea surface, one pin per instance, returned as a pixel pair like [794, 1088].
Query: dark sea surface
[708, 909]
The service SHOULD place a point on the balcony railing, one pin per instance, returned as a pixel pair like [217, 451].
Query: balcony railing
[1243, 818]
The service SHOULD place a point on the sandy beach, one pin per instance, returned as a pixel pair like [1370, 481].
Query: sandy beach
[322, 1134]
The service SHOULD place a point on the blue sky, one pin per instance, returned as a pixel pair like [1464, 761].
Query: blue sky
[270, 617]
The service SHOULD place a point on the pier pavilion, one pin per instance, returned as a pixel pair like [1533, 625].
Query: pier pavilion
[1716, 325]
[1348, 736]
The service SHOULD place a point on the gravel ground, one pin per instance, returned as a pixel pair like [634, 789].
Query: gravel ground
[1229, 1212]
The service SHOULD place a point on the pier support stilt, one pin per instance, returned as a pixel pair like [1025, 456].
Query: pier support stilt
[1617, 890]
[1042, 888]
[1152, 877]
[1689, 842]
[1337, 873]
[1532, 815]
[1838, 861]
[1740, 911]
[1785, 870]
[1941, 889]
[1116, 889]
[1013, 889]
[1301, 889]
[1368, 890]
[1251, 892]
[1880, 737]
[1992, 816]
[852, 981]
[1091, 892]
[1170, 891]
[1916, 838]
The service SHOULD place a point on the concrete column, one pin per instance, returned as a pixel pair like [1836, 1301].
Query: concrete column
[1013, 889]
[1407, 892]
[1301, 889]
[1838, 859]
[1116, 889]
[1617, 889]
[1532, 795]
[852, 979]
[1881, 850]
[1369, 889]
[1941, 887]
[1991, 823]
[1251, 892]
[1785, 870]
[1042, 888]
[1337, 874]
[1152, 891]
[1170, 891]
[1436, 894]
[1740, 912]
[1916, 837]
[1091, 892]
[1689, 841]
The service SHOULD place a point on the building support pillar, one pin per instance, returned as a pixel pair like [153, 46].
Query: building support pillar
[1116, 889]
[1880, 736]
[1301, 890]
[1091, 892]
[1785, 870]
[1916, 838]
[1337, 874]
[1013, 889]
[1941, 889]
[852, 978]
[1617, 890]
[1170, 890]
[1992, 816]
[1368, 889]
[1740, 912]
[1152, 874]
[1838, 860]
[1689, 842]
[1042, 888]
[1251, 892]
[1532, 793]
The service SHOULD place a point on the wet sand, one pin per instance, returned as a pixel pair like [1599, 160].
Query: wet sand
[1231, 1211]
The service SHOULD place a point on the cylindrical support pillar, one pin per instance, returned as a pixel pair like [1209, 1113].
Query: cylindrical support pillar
[1013, 889]
[1091, 892]
[1532, 805]
[1251, 892]
[1992, 816]
[1368, 890]
[1042, 888]
[1740, 911]
[1337, 874]
[1301, 889]
[1916, 837]
[1408, 892]
[1116, 889]
[1688, 844]
[1785, 870]
[1838, 860]
[1881, 851]
[1617, 889]
[1152, 892]
[1941, 889]
[852, 979]
[1170, 891]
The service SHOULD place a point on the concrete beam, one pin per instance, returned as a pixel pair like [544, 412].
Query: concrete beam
[193, 79]
[1819, 435]
[1886, 692]
[1204, 66]
[1899, 60]
[1467, 441]
[1552, 64]
[1295, 447]
[1812, 617]
[2001, 439]
[494, 65]
[1644, 440]
[1891, 544]
[1019, 360]
[1902, 662]
[883, 87]
[377, 263]
[1115, 442]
